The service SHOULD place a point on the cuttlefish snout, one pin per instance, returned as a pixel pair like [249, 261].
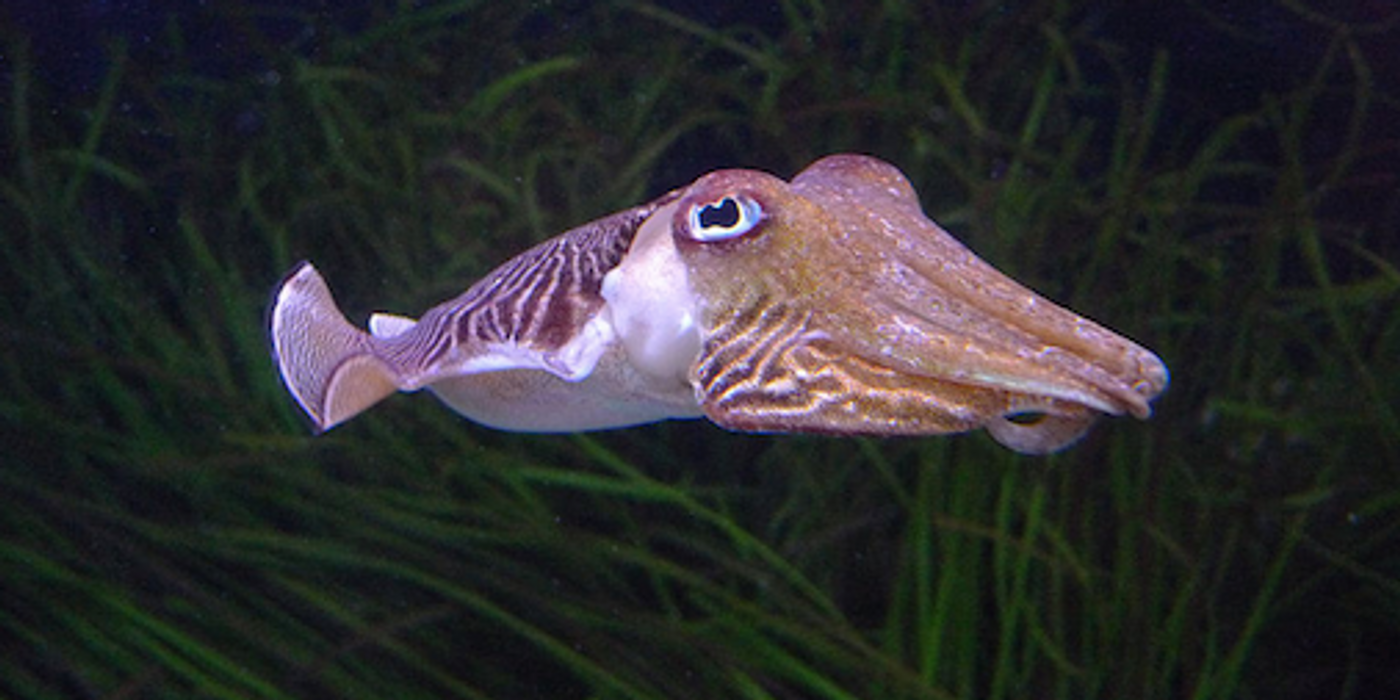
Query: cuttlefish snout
[830, 304]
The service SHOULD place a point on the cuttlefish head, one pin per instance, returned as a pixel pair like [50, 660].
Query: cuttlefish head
[828, 304]
[833, 304]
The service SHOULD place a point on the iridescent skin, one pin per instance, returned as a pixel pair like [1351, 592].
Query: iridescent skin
[830, 304]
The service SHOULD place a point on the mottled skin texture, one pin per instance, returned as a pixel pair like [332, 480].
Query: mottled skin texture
[892, 326]
[830, 304]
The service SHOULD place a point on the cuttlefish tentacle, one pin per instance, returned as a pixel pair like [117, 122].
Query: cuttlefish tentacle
[937, 283]
[829, 304]
[792, 377]
[903, 329]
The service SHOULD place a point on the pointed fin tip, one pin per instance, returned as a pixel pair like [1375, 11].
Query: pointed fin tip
[328, 365]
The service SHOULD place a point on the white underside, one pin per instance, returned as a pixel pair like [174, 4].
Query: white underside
[651, 306]
[629, 364]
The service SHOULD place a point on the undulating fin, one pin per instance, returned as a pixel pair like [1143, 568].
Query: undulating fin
[828, 304]
[330, 366]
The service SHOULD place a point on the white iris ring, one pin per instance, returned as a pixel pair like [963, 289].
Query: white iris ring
[708, 222]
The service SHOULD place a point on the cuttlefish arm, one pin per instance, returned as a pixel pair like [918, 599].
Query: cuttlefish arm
[833, 304]
[830, 304]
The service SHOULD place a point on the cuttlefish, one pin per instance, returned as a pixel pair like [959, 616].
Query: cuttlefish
[829, 304]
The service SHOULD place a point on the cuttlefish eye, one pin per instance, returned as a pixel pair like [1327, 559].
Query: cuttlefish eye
[723, 219]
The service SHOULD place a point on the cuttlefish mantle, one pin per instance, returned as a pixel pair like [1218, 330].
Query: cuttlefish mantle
[830, 304]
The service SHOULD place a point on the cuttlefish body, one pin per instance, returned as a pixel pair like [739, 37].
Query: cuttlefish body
[830, 304]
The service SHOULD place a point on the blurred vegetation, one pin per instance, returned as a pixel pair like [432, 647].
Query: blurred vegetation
[171, 530]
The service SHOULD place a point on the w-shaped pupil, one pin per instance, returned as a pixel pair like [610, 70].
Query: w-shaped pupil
[725, 214]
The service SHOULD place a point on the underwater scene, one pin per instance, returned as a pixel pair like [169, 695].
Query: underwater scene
[753, 425]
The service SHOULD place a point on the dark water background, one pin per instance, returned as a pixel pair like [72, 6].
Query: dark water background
[171, 530]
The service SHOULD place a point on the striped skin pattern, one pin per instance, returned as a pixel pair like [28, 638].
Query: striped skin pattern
[827, 304]
[844, 309]
[506, 352]
[769, 370]
[536, 302]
